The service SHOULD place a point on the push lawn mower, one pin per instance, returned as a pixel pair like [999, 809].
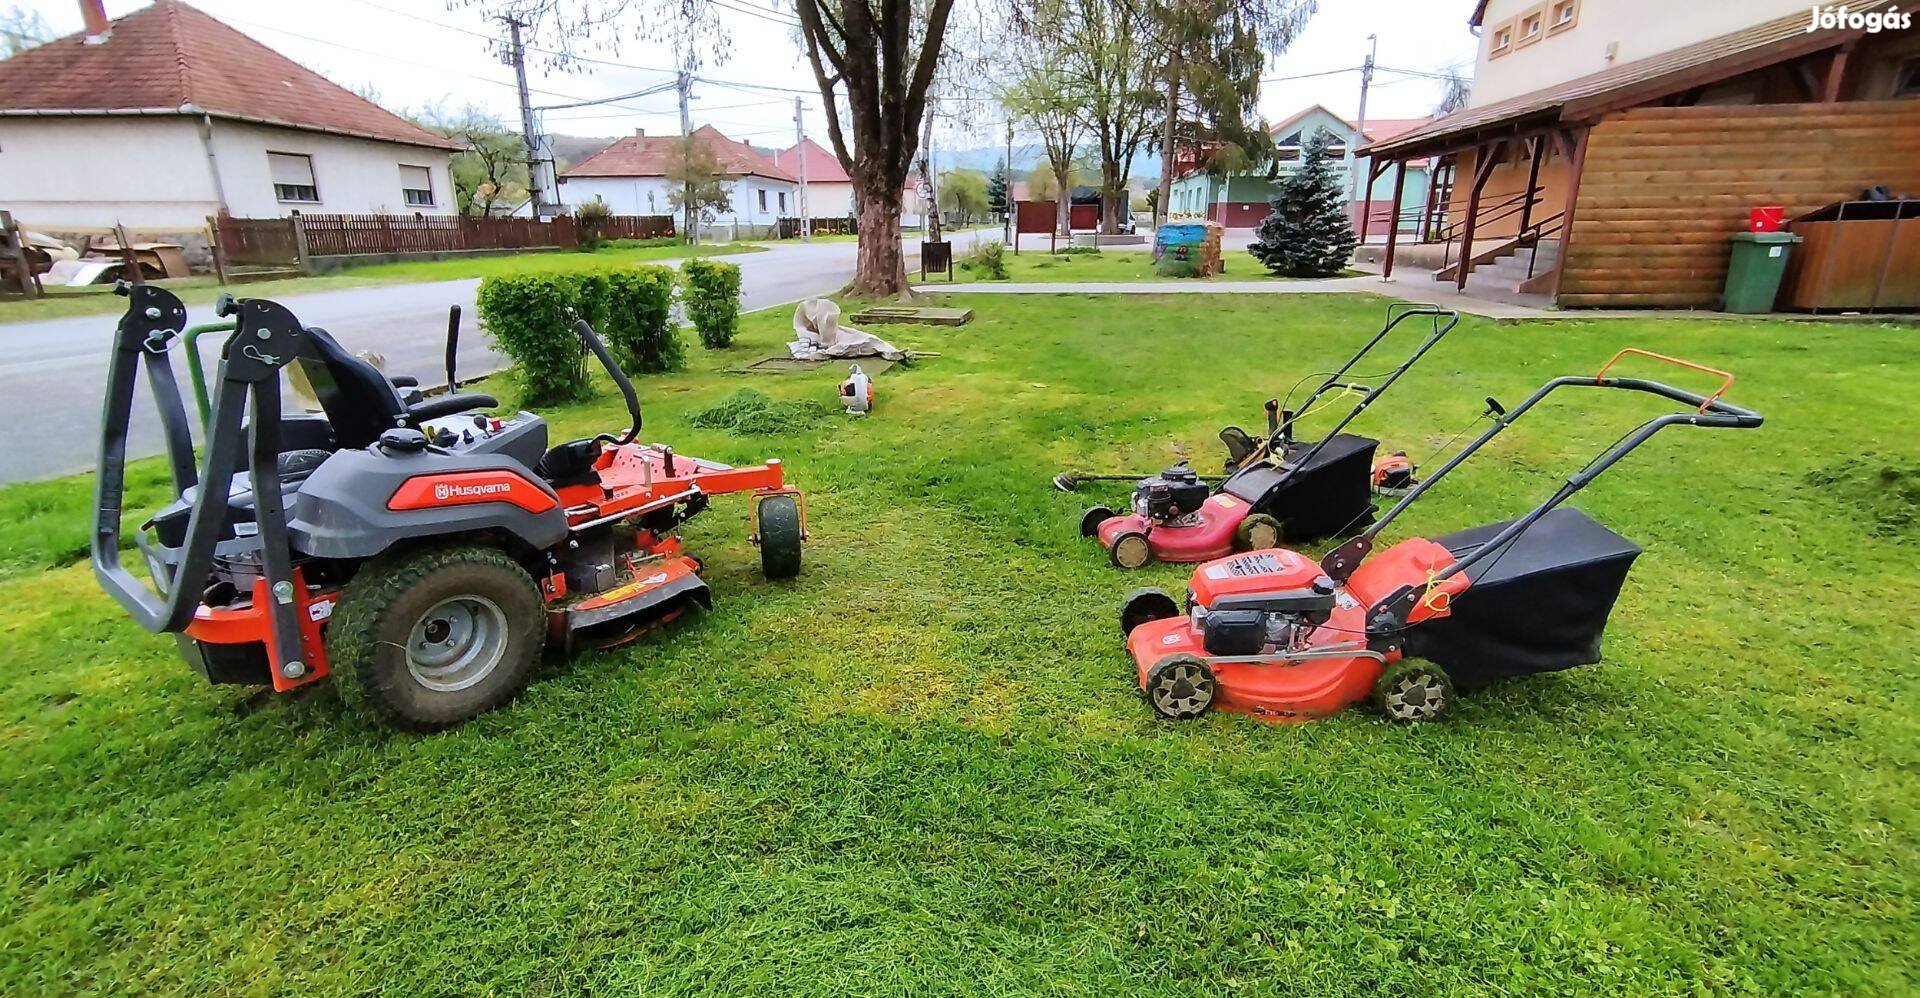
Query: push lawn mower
[1276, 488]
[1272, 634]
[416, 544]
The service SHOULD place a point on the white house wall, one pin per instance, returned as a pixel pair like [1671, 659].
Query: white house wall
[648, 196]
[829, 200]
[68, 174]
[353, 176]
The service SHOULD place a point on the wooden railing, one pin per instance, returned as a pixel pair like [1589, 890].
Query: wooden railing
[288, 242]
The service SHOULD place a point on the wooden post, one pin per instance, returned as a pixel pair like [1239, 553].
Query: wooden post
[1434, 166]
[15, 245]
[1366, 205]
[1836, 73]
[299, 227]
[1393, 222]
[1575, 168]
[214, 250]
[1482, 170]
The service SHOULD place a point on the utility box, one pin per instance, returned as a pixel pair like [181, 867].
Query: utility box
[1753, 274]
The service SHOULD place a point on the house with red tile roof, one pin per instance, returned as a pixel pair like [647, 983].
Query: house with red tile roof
[829, 189]
[1240, 201]
[630, 176]
[166, 116]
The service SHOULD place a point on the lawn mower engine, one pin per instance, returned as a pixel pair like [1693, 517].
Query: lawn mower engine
[1262, 623]
[1171, 498]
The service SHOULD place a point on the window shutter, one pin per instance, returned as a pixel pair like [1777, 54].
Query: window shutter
[416, 178]
[291, 169]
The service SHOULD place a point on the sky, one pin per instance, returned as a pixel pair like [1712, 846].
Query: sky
[413, 54]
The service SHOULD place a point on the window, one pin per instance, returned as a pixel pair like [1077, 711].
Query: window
[416, 185]
[783, 202]
[1563, 14]
[1531, 28]
[293, 177]
[1500, 40]
[1907, 82]
[763, 199]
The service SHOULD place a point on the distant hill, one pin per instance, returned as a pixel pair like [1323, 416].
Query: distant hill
[1025, 158]
[571, 149]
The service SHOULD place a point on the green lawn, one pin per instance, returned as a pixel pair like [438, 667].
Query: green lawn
[922, 766]
[1108, 265]
[202, 290]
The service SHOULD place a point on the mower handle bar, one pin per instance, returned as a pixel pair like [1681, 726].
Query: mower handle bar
[1707, 411]
[591, 340]
[1397, 313]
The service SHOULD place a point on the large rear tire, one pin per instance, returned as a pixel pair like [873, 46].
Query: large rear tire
[1256, 533]
[431, 638]
[1130, 550]
[779, 536]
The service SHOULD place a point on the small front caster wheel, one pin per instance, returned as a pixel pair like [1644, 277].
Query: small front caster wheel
[1144, 606]
[1412, 690]
[779, 536]
[1180, 687]
[1130, 549]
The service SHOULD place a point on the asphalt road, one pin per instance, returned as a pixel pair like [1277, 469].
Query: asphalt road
[53, 373]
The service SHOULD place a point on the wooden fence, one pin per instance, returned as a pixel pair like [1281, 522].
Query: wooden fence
[790, 227]
[289, 241]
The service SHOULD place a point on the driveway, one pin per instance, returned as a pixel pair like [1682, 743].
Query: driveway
[53, 373]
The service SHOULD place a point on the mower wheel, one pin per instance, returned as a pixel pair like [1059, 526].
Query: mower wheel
[1144, 606]
[1412, 690]
[1091, 520]
[1130, 549]
[1256, 533]
[779, 536]
[432, 637]
[1180, 687]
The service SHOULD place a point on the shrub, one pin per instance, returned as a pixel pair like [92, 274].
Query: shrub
[988, 260]
[636, 318]
[713, 300]
[529, 317]
[1081, 251]
[592, 216]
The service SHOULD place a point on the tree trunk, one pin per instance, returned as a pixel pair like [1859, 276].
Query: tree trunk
[1174, 68]
[1111, 186]
[880, 268]
[1063, 204]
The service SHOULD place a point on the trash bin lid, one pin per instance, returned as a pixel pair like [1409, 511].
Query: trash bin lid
[1771, 238]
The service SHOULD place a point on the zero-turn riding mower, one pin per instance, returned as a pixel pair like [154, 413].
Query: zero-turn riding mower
[1276, 488]
[423, 547]
[1273, 634]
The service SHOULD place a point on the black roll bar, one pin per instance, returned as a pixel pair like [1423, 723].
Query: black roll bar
[1397, 313]
[593, 342]
[246, 402]
[1709, 411]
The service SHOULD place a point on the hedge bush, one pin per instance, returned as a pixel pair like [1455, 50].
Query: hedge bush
[988, 260]
[633, 312]
[713, 300]
[529, 317]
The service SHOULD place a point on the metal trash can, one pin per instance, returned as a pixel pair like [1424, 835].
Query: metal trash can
[1753, 274]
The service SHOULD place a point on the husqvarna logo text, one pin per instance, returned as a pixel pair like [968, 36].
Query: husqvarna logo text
[445, 490]
[1829, 18]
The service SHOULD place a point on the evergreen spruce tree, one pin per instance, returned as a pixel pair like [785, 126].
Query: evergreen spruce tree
[997, 189]
[1309, 233]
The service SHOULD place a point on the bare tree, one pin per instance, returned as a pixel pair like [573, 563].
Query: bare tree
[1455, 92]
[1044, 97]
[21, 29]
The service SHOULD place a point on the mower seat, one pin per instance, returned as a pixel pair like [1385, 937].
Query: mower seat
[362, 403]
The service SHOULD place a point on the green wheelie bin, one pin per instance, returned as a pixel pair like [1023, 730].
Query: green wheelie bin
[1753, 274]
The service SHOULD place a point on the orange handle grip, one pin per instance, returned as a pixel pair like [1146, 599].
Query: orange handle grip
[1726, 377]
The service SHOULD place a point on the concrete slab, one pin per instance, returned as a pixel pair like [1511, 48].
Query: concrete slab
[922, 315]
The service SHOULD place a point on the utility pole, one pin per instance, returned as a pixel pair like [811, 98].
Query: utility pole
[1360, 128]
[517, 58]
[1006, 196]
[800, 144]
[684, 86]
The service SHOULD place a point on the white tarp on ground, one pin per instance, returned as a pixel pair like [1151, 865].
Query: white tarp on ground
[818, 335]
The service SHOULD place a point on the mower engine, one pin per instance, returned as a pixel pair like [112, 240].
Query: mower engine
[1263, 623]
[1172, 497]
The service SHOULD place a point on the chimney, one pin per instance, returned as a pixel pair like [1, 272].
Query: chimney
[95, 14]
[639, 133]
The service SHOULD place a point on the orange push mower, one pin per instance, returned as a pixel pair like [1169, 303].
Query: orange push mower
[425, 549]
[1273, 634]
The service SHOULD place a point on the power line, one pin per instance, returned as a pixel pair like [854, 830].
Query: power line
[784, 20]
[1309, 76]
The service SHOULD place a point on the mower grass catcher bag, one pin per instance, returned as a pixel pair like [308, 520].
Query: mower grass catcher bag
[1330, 494]
[1540, 605]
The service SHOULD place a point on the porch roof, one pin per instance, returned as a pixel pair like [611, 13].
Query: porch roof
[1588, 97]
